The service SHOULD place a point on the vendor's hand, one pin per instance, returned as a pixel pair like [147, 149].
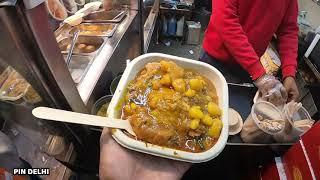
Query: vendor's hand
[271, 89]
[117, 162]
[290, 85]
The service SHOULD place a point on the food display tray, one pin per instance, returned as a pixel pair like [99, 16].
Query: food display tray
[95, 41]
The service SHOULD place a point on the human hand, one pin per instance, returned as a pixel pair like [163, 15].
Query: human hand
[290, 85]
[117, 162]
[271, 89]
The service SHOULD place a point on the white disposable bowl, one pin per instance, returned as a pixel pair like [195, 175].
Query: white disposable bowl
[204, 69]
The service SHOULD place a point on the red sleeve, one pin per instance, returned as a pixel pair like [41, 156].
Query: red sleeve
[235, 39]
[287, 35]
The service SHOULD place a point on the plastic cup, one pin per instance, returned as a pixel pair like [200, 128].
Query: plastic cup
[114, 84]
[254, 131]
[291, 132]
[99, 103]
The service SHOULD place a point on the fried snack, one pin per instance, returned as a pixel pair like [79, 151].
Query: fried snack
[89, 48]
[14, 86]
[5, 74]
[32, 96]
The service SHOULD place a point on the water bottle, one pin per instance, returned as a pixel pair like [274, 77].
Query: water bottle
[172, 26]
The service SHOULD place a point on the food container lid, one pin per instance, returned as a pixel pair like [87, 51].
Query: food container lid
[235, 122]
[74, 19]
[84, 10]
[94, 6]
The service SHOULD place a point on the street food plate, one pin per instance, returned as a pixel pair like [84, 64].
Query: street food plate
[211, 73]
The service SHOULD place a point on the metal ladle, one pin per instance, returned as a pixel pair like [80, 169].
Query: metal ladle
[73, 20]
[73, 43]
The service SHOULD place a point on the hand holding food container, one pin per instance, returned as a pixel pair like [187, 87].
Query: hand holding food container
[177, 108]
[160, 82]
[271, 89]
[114, 159]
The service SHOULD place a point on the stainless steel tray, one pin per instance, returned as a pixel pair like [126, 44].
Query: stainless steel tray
[94, 29]
[82, 40]
[79, 66]
[113, 16]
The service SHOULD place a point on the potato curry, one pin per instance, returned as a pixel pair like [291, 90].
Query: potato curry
[173, 107]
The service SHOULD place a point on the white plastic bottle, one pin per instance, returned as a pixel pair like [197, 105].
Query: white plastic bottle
[180, 25]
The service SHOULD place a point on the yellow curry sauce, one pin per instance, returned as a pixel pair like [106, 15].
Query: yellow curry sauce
[173, 107]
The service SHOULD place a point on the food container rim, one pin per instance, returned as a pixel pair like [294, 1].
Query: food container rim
[165, 152]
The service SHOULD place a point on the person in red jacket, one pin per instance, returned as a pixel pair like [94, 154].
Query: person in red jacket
[238, 34]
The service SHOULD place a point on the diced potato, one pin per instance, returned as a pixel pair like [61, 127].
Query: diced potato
[127, 108]
[196, 84]
[80, 46]
[153, 102]
[133, 106]
[176, 72]
[155, 113]
[165, 80]
[215, 129]
[207, 120]
[201, 79]
[214, 109]
[153, 67]
[194, 124]
[195, 112]
[165, 65]
[179, 85]
[156, 84]
[190, 93]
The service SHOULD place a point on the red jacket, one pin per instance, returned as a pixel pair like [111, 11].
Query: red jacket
[240, 31]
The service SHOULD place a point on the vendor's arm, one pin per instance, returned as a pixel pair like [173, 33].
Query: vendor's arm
[235, 39]
[287, 36]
